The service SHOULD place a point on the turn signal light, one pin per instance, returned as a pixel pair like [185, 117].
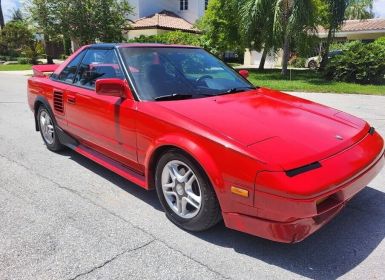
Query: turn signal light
[240, 192]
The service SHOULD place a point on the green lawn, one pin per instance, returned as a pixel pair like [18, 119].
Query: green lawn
[15, 67]
[309, 81]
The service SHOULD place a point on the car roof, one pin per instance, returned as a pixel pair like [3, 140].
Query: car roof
[137, 45]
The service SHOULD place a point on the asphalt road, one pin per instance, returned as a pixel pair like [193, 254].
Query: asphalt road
[64, 217]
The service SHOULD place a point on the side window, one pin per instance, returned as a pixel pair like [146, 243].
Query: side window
[98, 64]
[68, 73]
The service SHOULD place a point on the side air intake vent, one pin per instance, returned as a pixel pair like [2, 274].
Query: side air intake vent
[58, 103]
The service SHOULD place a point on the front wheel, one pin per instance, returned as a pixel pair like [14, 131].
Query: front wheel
[313, 65]
[48, 130]
[186, 193]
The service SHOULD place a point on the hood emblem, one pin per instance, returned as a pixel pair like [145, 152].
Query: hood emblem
[339, 137]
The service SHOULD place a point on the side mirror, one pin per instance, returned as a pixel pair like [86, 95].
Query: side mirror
[112, 87]
[244, 73]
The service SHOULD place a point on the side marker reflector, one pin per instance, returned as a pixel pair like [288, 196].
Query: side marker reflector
[240, 192]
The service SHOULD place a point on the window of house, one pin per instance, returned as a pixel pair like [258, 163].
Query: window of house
[183, 5]
[206, 4]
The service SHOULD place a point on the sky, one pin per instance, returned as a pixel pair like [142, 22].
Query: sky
[9, 5]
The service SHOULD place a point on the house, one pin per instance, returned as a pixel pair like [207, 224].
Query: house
[156, 17]
[362, 30]
[159, 23]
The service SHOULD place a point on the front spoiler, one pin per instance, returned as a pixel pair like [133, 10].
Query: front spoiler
[299, 229]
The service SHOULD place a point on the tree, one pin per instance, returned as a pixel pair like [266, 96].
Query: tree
[220, 27]
[15, 35]
[43, 13]
[359, 9]
[17, 15]
[257, 24]
[295, 19]
[2, 23]
[333, 19]
[110, 17]
[84, 22]
[17, 38]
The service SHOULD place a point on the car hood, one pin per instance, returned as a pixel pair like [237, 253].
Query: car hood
[276, 128]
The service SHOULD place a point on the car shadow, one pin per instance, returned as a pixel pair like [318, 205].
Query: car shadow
[150, 197]
[331, 252]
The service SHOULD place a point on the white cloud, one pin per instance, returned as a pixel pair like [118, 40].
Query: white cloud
[8, 7]
[379, 8]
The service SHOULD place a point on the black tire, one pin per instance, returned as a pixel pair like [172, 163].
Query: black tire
[55, 146]
[209, 214]
[313, 65]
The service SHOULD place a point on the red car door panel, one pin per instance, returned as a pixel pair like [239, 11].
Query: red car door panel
[96, 120]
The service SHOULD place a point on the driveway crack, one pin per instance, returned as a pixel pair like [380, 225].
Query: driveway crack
[119, 217]
[111, 260]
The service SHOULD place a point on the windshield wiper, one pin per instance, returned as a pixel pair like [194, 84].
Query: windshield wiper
[174, 96]
[236, 89]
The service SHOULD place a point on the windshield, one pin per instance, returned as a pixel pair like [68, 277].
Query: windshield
[173, 73]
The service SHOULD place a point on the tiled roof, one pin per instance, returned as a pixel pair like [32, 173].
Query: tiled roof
[164, 20]
[375, 24]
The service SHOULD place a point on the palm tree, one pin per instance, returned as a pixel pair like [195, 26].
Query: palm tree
[270, 23]
[336, 14]
[293, 19]
[257, 22]
[2, 23]
[359, 9]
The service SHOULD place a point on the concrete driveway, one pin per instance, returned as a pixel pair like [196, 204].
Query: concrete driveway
[64, 217]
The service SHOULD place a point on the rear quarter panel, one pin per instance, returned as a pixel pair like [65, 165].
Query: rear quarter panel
[43, 88]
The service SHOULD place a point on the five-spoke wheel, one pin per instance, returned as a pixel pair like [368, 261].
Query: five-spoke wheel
[46, 126]
[185, 192]
[47, 129]
[181, 189]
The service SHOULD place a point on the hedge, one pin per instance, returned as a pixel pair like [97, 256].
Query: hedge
[360, 63]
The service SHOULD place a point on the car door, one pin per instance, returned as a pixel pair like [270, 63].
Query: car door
[97, 120]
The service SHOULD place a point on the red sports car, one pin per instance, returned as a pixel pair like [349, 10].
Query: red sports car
[178, 120]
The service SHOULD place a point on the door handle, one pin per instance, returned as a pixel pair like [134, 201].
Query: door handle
[71, 99]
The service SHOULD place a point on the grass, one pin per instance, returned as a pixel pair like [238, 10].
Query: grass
[309, 81]
[15, 67]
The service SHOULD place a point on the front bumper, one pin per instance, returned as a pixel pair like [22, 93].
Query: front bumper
[292, 217]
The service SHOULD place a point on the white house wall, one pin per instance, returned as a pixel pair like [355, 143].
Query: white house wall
[145, 8]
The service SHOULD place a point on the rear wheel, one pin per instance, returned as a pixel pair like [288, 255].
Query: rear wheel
[48, 130]
[186, 193]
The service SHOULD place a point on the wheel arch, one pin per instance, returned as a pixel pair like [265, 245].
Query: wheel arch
[189, 148]
[40, 100]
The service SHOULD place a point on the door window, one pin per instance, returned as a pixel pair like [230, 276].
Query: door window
[69, 72]
[98, 64]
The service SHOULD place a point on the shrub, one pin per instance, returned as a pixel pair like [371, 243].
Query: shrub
[174, 37]
[23, 60]
[298, 62]
[64, 56]
[360, 63]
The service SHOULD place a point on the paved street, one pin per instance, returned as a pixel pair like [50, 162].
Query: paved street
[64, 217]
